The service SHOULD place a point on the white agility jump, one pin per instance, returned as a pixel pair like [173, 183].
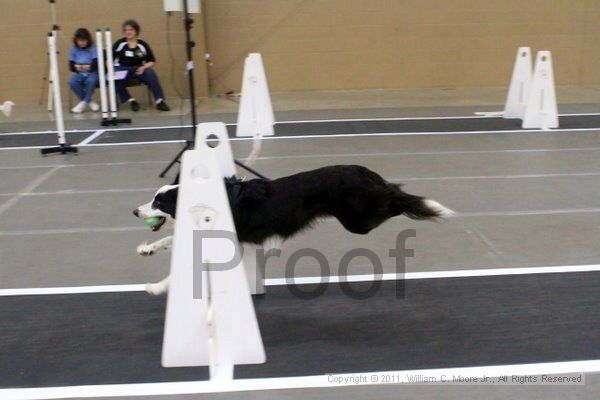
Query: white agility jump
[531, 94]
[108, 101]
[255, 115]
[6, 108]
[63, 146]
[210, 318]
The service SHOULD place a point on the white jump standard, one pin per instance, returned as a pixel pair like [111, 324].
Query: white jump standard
[216, 327]
[6, 108]
[63, 147]
[109, 80]
[255, 116]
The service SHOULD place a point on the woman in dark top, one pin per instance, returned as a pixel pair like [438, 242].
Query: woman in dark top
[135, 56]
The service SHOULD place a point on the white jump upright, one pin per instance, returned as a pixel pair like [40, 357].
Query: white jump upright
[108, 102]
[542, 110]
[218, 328]
[6, 108]
[255, 115]
[255, 273]
[63, 146]
[58, 111]
[520, 84]
[102, 75]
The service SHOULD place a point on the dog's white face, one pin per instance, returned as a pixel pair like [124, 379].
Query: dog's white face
[163, 205]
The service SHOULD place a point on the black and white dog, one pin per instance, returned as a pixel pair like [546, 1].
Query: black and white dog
[278, 209]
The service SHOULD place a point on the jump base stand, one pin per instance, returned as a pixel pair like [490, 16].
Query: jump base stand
[210, 318]
[115, 121]
[62, 149]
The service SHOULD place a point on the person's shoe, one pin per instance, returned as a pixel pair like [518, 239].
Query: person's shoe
[93, 106]
[79, 108]
[135, 106]
[162, 106]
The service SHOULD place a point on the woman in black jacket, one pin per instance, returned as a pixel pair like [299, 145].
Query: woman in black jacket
[135, 56]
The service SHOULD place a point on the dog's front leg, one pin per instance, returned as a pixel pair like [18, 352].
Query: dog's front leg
[156, 289]
[146, 249]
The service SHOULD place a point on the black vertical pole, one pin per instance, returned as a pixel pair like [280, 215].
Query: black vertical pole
[189, 45]
[189, 144]
[190, 65]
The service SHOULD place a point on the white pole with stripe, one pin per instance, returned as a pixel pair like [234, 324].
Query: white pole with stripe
[102, 74]
[111, 75]
[58, 111]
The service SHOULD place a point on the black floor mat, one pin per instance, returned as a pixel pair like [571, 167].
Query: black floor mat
[108, 338]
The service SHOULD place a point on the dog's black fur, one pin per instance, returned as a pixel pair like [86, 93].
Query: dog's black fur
[358, 197]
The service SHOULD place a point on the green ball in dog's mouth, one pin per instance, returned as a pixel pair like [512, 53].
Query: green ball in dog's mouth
[154, 222]
[151, 222]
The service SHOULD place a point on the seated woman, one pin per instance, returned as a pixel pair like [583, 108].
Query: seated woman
[83, 60]
[135, 56]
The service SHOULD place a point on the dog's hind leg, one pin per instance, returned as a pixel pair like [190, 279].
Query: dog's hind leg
[146, 249]
[156, 289]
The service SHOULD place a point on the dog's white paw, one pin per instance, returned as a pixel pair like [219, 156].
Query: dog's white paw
[155, 289]
[145, 249]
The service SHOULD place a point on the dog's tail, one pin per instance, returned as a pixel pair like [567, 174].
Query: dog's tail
[417, 207]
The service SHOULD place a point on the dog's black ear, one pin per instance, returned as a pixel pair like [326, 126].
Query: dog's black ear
[169, 201]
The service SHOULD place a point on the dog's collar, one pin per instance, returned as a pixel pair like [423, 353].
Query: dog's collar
[234, 187]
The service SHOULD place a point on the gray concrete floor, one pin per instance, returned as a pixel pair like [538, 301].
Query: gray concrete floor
[523, 200]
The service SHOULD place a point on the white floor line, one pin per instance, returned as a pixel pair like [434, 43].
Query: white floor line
[133, 143]
[92, 137]
[300, 382]
[27, 133]
[474, 116]
[141, 128]
[27, 189]
[525, 212]
[74, 290]
[76, 192]
[67, 231]
[374, 134]
[475, 177]
[332, 279]
[427, 153]
[100, 164]
[436, 274]
[336, 136]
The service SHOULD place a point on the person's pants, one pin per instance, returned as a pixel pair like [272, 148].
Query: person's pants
[84, 85]
[149, 77]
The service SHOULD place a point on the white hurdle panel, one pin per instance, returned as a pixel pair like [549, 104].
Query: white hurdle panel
[255, 114]
[520, 84]
[219, 329]
[542, 111]
[217, 130]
